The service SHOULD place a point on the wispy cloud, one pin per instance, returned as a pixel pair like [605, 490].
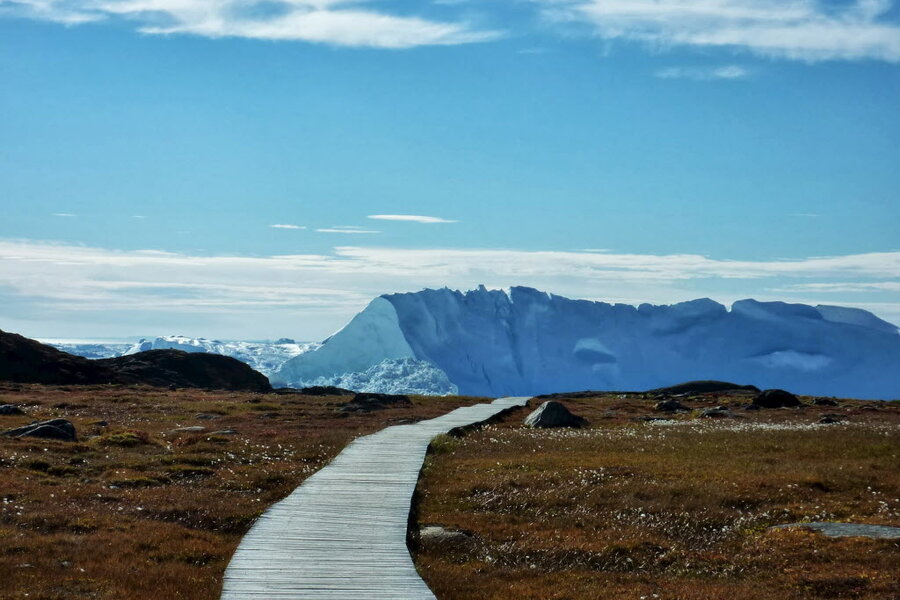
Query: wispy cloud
[411, 218]
[353, 23]
[842, 287]
[349, 229]
[286, 226]
[310, 295]
[807, 30]
[64, 215]
[727, 73]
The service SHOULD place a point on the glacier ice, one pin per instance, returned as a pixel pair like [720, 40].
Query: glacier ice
[89, 348]
[265, 357]
[393, 376]
[524, 342]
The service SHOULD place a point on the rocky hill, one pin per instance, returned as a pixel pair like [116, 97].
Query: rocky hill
[26, 361]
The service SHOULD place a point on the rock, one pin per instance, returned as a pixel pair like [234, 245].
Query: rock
[648, 419]
[224, 432]
[56, 429]
[776, 399]
[828, 420]
[718, 412]
[100, 423]
[190, 429]
[752, 407]
[671, 406]
[205, 417]
[825, 402]
[324, 390]
[7, 410]
[436, 537]
[370, 401]
[554, 414]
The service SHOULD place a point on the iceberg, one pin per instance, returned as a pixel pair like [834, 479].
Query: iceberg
[524, 341]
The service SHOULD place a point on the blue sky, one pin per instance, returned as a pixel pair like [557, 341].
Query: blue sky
[621, 150]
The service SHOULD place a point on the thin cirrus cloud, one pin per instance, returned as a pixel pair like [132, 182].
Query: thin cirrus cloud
[286, 226]
[313, 294]
[64, 215]
[727, 73]
[346, 229]
[411, 218]
[353, 23]
[806, 30]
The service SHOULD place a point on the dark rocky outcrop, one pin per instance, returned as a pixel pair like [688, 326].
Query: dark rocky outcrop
[776, 399]
[23, 360]
[704, 387]
[671, 406]
[325, 390]
[367, 402]
[26, 361]
[825, 402]
[9, 410]
[554, 414]
[56, 429]
[186, 369]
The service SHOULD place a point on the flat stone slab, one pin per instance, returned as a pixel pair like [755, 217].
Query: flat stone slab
[841, 530]
[341, 535]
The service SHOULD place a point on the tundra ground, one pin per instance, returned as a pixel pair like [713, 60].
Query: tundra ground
[137, 511]
[676, 509]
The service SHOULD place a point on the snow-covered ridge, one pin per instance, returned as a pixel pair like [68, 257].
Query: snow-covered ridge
[524, 341]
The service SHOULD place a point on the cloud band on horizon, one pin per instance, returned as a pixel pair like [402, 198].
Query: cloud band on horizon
[43, 282]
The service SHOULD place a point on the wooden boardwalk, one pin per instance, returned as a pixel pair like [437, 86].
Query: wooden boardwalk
[342, 533]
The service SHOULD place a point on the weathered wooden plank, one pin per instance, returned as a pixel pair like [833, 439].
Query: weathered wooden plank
[341, 535]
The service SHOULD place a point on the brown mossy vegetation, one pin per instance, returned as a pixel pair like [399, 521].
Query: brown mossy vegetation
[137, 511]
[676, 509]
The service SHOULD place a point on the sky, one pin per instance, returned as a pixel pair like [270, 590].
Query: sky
[256, 169]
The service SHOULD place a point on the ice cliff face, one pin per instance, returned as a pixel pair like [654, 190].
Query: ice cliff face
[522, 342]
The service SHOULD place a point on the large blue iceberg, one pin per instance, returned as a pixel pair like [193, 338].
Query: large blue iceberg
[524, 342]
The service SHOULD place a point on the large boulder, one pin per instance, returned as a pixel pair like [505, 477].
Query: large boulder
[8, 410]
[776, 399]
[554, 414]
[56, 429]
